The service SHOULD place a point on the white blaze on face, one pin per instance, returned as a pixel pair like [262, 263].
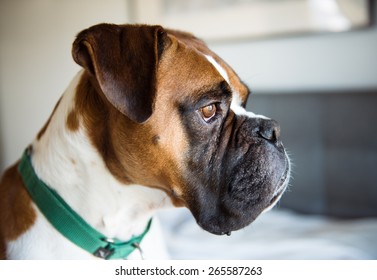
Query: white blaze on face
[235, 106]
[218, 68]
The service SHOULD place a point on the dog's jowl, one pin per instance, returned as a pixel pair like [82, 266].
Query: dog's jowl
[154, 119]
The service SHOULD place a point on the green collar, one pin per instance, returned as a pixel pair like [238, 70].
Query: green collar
[69, 223]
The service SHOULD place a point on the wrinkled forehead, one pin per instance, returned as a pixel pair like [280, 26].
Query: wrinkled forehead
[238, 87]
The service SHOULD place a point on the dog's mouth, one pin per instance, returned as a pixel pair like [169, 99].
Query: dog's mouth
[282, 186]
[239, 211]
[235, 214]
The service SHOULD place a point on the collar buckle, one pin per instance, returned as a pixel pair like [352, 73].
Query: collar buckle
[103, 252]
[137, 246]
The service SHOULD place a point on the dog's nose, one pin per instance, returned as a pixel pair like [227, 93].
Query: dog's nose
[269, 130]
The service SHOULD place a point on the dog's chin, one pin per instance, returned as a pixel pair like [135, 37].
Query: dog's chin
[223, 228]
[283, 184]
[230, 216]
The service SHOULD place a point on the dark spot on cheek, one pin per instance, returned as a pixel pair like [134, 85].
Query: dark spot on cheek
[72, 121]
[155, 139]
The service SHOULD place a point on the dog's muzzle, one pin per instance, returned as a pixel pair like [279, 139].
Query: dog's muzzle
[248, 175]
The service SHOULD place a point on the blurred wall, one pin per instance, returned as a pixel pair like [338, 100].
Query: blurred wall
[332, 140]
[328, 61]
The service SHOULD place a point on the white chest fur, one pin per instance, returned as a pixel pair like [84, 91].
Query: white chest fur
[67, 162]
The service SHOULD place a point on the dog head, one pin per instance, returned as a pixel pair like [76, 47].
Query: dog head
[170, 115]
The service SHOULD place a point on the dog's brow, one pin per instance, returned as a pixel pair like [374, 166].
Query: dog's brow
[218, 91]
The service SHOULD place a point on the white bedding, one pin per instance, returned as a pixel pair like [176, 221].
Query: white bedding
[278, 234]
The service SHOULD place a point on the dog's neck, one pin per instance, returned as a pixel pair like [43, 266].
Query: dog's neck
[67, 162]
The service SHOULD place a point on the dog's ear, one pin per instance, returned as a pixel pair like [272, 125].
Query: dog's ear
[124, 60]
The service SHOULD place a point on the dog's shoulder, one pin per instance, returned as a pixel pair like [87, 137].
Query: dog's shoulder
[16, 211]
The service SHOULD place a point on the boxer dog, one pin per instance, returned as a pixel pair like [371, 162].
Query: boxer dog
[154, 119]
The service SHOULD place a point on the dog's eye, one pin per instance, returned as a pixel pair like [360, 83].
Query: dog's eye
[208, 112]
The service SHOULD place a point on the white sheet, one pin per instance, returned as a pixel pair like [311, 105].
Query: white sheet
[278, 234]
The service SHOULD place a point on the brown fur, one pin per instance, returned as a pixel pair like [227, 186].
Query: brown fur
[16, 212]
[195, 43]
[73, 121]
[160, 141]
